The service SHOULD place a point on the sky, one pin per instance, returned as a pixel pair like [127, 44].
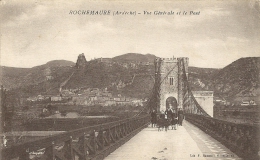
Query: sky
[34, 32]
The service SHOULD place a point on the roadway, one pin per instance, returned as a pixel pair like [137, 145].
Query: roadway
[187, 142]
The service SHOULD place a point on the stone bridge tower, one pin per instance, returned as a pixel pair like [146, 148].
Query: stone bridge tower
[169, 82]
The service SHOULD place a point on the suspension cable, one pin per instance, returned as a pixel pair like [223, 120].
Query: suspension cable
[153, 90]
[190, 94]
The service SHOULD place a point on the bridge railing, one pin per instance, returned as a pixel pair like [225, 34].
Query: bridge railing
[94, 142]
[242, 139]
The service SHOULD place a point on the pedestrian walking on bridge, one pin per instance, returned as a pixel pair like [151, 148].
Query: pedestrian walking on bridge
[174, 119]
[180, 116]
[153, 118]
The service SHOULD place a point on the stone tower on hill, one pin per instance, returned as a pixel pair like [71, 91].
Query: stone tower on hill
[81, 62]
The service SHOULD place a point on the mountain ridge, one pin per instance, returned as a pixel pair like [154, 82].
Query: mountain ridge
[132, 57]
[125, 75]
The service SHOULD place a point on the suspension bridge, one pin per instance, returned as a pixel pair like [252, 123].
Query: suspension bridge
[200, 137]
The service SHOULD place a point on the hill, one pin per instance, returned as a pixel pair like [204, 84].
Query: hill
[22, 77]
[59, 63]
[120, 76]
[115, 76]
[238, 79]
[200, 78]
[236, 82]
[134, 57]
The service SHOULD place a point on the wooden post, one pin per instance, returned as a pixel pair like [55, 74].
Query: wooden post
[82, 147]
[49, 152]
[68, 152]
[100, 138]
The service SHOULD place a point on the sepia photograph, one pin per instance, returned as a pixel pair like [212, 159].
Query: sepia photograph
[129, 80]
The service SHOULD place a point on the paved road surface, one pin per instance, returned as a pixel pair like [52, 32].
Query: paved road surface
[187, 142]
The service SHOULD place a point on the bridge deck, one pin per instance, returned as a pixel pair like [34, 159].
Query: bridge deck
[187, 142]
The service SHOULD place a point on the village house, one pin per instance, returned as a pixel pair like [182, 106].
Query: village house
[87, 91]
[56, 98]
[67, 98]
[137, 102]
[123, 102]
[40, 98]
[32, 99]
[67, 92]
[116, 98]
[106, 94]
[110, 102]
[93, 97]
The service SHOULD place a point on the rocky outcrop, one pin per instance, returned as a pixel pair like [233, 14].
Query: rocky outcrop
[81, 62]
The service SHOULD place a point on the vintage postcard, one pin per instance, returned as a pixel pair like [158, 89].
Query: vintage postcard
[137, 80]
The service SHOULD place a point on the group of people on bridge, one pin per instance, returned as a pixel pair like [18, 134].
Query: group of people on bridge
[165, 119]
